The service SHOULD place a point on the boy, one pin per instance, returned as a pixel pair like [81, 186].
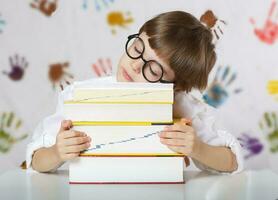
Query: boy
[173, 47]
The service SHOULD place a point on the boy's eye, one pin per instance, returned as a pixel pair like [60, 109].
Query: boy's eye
[137, 50]
[153, 72]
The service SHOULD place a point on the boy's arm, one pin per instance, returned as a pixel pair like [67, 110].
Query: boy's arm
[69, 144]
[46, 159]
[215, 157]
[182, 138]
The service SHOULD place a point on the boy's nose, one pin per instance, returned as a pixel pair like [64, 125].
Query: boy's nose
[137, 66]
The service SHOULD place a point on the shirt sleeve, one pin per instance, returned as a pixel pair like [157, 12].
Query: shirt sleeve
[207, 127]
[46, 131]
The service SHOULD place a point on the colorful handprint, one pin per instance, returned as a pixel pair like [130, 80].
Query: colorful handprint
[2, 24]
[211, 22]
[18, 66]
[119, 19]
[269, 33]
[103, 67]
[251, 144]
[217, 92]
[269, 126]
[47, 7]
[99, 4]
[8, 125]
[58, 74]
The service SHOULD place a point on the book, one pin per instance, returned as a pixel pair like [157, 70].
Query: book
[131, 191]
[110, 139]
[131, 170]
[118, 112]
[124, 92]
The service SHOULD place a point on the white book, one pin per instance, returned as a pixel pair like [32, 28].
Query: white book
[118, 112]
[124, 92]
[126, 170]
[125, 140]
[130, 191]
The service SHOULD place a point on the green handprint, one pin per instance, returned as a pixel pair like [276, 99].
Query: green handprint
[9, 123]
[269, 124]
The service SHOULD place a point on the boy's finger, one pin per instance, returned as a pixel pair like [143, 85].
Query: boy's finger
[172, 142]
[172, 134]
[178, 127]
[70, 156]
[65, 125]
[77, 148]
[72, 133]
[77, 140]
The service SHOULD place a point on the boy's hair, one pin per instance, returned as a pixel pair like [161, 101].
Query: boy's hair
[186, 46]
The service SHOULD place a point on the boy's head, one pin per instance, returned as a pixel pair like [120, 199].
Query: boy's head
[178, 49]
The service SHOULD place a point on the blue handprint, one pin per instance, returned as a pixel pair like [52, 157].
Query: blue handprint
[217, 92]
[98, 4]
[251, 144]
[2, 24]
[269, 125]
[8, 123]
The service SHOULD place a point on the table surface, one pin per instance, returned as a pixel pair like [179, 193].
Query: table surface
[22, 184]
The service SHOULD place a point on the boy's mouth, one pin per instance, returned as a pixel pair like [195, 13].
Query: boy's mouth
[126, 75]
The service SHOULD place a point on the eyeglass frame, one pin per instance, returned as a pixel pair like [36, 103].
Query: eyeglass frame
[145, 61]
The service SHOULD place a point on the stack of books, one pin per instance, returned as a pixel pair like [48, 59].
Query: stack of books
[123, 120]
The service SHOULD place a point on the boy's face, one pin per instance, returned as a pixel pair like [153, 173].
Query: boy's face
[130, 70]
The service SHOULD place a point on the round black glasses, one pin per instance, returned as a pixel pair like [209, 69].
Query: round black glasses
[151, 70]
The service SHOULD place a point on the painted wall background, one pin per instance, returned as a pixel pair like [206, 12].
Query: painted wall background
[47, 44]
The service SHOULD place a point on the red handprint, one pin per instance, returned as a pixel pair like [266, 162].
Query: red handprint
[269, 32]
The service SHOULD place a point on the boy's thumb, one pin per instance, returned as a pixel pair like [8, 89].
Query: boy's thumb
[65, 125]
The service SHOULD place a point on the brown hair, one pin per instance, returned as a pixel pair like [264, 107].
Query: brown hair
[186, 46]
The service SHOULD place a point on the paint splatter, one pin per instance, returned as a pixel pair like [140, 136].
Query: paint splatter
[251, 144]
[103, 67]
[269, 32]
[18, 66]
[46, 7]
[217, 93]
[58, 74]
[98, 4]
[272, 88]
[211, 22]
[118, 19]
[2, 23]
[8, 124]
[269, 126]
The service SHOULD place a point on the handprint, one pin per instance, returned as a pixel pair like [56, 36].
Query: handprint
[9, 124]
[47, 7]
[103, 67]
[269, 33]
[119, 19]
[99, 4]
[213, 23]
[2, 24]
[217, 92]
[18, 66]
[251, 144]
[58, 74]
[269, 126]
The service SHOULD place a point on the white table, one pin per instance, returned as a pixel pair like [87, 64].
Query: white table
[20, 184]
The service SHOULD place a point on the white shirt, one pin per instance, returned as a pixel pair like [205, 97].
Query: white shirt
[189, 105]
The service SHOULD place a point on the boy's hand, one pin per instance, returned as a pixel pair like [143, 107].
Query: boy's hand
[181, 138]
[70, 143]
